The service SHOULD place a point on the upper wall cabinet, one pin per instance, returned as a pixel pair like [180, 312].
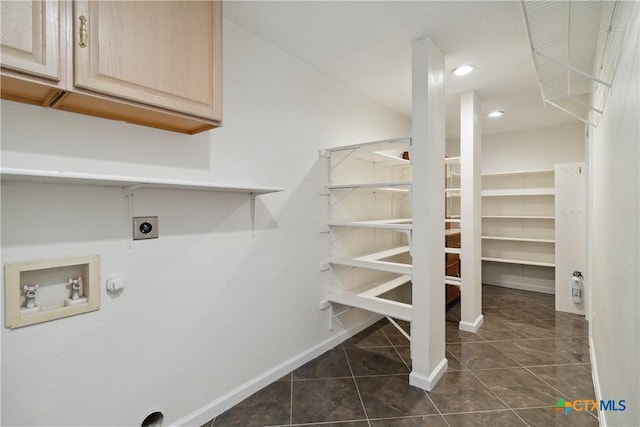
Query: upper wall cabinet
[31, 51]
[157, 64]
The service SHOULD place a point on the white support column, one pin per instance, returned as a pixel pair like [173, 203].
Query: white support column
[470, 212]
[427, 155]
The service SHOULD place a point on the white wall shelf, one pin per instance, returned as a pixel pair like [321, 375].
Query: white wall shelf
[523, 217]
[389, 152]
[395, 224]
[378, 186]
[519, 261]
[369, 298]
[518, 239]
[378, 261]
[519, 172]
[61, 177]
[519, 192]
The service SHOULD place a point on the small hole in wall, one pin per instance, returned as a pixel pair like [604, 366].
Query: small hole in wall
[154, 419]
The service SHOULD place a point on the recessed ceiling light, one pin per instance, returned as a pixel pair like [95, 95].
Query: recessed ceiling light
[496, 113]
[462, 70]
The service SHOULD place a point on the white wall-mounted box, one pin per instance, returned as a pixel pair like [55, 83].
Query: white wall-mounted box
[52, 275]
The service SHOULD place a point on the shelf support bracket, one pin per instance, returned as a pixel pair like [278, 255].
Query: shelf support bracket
[342, 198]
[353, 150]
[128, 193]
[252, 202]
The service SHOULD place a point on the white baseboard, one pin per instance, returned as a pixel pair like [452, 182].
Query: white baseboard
[237, 395]
[520, 286]
[471, 327]
[596, 382]
[427, 383]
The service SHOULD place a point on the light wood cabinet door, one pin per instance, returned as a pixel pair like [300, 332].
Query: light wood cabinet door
[32, 51]
[31, 37]
[165, 54]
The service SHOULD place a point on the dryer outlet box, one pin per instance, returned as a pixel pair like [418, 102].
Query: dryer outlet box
[145, 227]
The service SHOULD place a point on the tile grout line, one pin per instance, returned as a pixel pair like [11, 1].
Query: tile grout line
[522, 366]
[499, 398]
[291, 400]
[507, 324]
[353, 377]
[530, 371]
[495, 394]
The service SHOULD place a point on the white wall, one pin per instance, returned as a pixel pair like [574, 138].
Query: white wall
[614, 243]
[529, 149]
[539, 148]
[208, 306]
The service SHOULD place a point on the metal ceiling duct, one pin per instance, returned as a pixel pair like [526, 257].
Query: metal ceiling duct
[576, 46]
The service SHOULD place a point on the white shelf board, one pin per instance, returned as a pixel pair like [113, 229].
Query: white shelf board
[452, 190]
[519, 192]
[368, 298]
[395, 224]
[452, 280]
[452, 160]
[519, 261]
[452, 251]
[518, 217]
[374, 145]
[518, 239]
[519, 172]
[61, 177]
[387, 151]
[400, 186]
[374, 261]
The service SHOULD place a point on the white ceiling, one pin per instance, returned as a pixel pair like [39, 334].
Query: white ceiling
[367, 46]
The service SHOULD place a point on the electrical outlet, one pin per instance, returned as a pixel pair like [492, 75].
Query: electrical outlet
[145, 227]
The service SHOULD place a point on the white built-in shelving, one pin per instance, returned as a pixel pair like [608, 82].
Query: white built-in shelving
[518, 227]
[370, 226]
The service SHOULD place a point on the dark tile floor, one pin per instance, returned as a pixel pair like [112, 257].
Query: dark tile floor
[511, 373]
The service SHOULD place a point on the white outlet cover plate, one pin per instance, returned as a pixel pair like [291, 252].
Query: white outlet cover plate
[142, 223]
